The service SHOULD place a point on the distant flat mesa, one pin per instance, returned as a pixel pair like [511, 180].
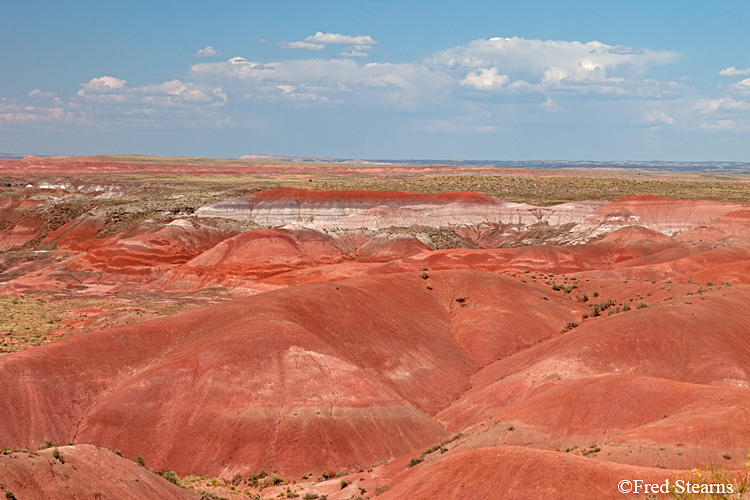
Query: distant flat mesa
[381, 209]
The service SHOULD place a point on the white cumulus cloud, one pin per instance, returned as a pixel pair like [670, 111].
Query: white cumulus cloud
[56, 113]
[357, 46]
[541, 65]
[732, 71]
[550, 105]
[175, 95]
[207, 52]
[400, 84]
[338, 39]
[353, 53]
[513, 78]
[727, 125]
[476, 71]
[38, 94]
[534, 57]
[723, 104]
[102, 84]
[696, 114]
[743, 86]
[657, 117]
[485, 79]
[303, 46]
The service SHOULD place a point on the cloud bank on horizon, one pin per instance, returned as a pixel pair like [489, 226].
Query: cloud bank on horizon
[482, 87]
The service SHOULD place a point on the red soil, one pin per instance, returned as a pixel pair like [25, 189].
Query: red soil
[146, 249]
[256, 255]
[584, 371]
[666, 214]
[512, 472]
[374, 347]
[23, 231]
[621, 248]
[78, 230]
[86, 472]
[732, 227]
[655, 210]
[277, 382]
[376, 250]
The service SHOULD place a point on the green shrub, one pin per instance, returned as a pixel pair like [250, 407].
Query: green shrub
[47, 444]
[170, 476]
[290, 494]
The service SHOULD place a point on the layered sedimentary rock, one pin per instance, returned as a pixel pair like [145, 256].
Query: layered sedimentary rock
[22, 232]
[731, 228]
[256, 255]
[665, 215]
[76, 231]
[383, 209]
[484, 221]
[147, 248]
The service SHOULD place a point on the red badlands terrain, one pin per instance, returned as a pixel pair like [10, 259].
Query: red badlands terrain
[434, 343]
[274, 380]
[83, 471]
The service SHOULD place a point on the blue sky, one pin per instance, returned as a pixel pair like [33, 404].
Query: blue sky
[500, 80]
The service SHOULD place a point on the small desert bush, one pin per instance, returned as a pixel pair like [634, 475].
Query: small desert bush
[47, 444]
[170, 476]
[711, 481]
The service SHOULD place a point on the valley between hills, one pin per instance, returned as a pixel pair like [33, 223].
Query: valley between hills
[259, 328]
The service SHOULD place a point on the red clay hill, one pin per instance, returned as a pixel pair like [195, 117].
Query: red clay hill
[412, 345]
[81, 471]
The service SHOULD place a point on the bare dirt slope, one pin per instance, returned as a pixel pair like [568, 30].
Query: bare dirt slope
[253, 383]
[413, 345]
[81, 471]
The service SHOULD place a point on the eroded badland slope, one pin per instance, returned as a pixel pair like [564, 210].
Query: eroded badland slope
[256, 330]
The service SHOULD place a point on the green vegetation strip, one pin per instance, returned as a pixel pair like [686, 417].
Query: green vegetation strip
[25, 322]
